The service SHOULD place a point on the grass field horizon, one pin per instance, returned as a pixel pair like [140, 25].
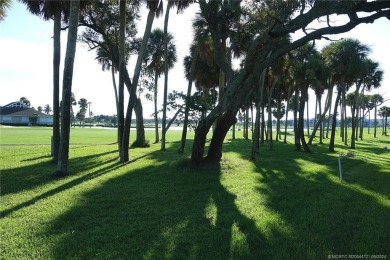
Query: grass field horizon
[285, 205]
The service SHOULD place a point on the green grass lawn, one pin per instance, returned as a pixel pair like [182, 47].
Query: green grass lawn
[286, 205]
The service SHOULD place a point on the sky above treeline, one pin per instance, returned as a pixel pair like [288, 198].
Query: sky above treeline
[26, 48]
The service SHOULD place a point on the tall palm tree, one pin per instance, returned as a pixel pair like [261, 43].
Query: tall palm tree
[384, 112]
[122, 64]
[4, 5]
[63, 155]
[155, 63]
[55, 10]
[181, 5]
[376, 100]
[345, 58]
[370, 77]
[155, 9]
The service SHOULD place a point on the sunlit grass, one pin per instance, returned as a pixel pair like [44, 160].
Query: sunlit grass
[286, 205]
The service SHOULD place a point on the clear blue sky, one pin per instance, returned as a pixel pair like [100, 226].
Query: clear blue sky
[26, 60]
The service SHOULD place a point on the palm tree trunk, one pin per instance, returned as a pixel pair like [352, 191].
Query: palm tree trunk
[308, 119]
[296, 134]
[330, 97]
[116, 97]
[63, 156]
[222, 127]
[188, 99]
[256, 133]
[287, 109]
[246, 126]
[56, 82]
[300, 129]
[122, 26]
[334, 120]
[138, 110]
[345, 121]
[164, 116]
[157, 138]
[320, 120]
[132, 98]
[278, 119]
[369, 121]
[375, 121]
[270, 92]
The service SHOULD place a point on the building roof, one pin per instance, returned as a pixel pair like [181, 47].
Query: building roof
[10, 110]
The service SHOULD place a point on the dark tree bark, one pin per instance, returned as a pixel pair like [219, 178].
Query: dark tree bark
[56, 82]
[300, 135]
[222, 127]
[63, 156]
[122, 65]
[256, 60]
[140, 140]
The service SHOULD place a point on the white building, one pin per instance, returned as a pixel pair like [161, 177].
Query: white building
[16, 113]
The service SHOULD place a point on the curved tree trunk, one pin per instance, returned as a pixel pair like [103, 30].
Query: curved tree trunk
[300, 135]
[330, 97]
[188, 98]
[321, 119]
[164, 116]
[63, 156]
[132, 98]
[334, 120]
[222, 127]
[56, 82]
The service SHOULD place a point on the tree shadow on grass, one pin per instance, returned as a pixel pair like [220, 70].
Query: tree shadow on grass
[33, 175]
[166, 209]
[326, 217]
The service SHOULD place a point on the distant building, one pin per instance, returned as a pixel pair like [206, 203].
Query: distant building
[16, 113]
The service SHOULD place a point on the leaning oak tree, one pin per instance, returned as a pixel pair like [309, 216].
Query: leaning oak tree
[291, 17]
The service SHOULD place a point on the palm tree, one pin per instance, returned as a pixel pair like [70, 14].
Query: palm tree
[155, 9]
[25, 101]
[55, 10]
[345, 59]
[181, 5]
[40, 109]
[122, 64]
[47, 109]
[4, 5]
[370, 77]
[63, 155]
[376, 100]
[155, 63]
[384, 112]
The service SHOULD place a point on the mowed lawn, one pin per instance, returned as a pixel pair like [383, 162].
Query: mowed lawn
[286, 205]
